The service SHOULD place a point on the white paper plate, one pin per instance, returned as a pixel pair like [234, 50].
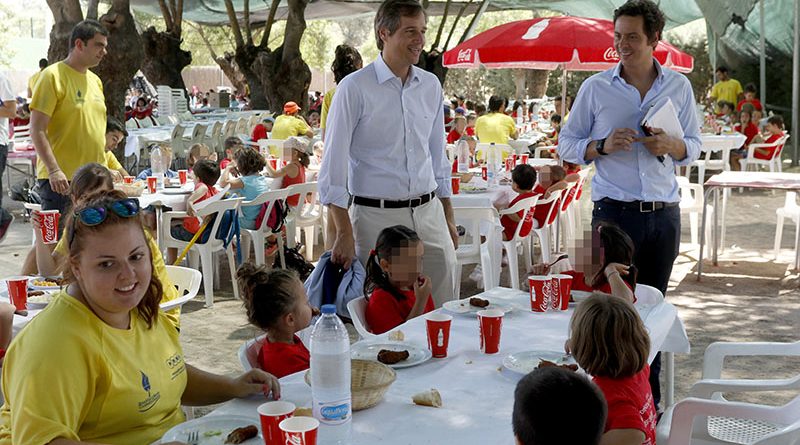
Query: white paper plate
[31, 286]
[224, 424]
[40, 301]
[462, 307]
[527, 361]
[176, 191]
[368, 350]
[472, 189]
[579, 295]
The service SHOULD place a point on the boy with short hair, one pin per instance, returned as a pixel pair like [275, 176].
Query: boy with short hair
[115, 132]
[523, 178]
[774, 132]
[262, 130]
[230, 145]
[540, 401]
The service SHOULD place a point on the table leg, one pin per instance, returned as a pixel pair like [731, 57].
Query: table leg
[714, 236]
[669, 398]
[703, 239]
[160, 239]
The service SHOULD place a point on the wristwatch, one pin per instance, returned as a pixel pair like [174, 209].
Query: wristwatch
[599, 147]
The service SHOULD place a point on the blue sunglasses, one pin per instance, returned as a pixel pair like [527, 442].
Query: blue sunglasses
[95, 215]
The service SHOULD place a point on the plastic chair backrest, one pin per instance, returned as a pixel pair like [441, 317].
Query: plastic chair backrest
[218, 207]
[526, 205]
[648, 295]
[188, 283]
[551, 202]
[304, 189]
[269, 198]
[358, 313]
[471, 218]
[229, 129]
[248, 352]
[569, 195]
[782, 143]
[199, 133]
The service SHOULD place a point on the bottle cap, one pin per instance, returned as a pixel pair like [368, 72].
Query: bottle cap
[328, 308]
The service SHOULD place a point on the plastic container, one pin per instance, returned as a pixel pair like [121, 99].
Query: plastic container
[491, 165]
[462, 152]
[330, 377]
[157, 166]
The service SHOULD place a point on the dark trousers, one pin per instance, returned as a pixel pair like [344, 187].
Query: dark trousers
[656, 238]
[3, 159]
[54, 201]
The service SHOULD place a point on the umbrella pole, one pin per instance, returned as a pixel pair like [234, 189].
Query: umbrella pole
[560, 162]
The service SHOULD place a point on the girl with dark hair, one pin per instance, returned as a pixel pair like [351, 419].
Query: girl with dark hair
[276, 302]
[250, 183]
[395, 288]
[347, 60]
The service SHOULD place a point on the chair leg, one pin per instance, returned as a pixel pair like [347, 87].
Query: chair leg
[232, 265]
[207, 263]
[526, 251]
[457, 286]
[725, 193]
[280, 251]
[311, 237]
[258, 246]
[544, 242]
[246, 247]
[291, 233]
[693, 219]
[778, 236]
[513, 264]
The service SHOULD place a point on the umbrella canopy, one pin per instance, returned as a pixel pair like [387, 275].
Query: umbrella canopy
[572, 43]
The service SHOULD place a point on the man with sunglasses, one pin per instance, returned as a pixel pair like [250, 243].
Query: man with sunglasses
[68, 115]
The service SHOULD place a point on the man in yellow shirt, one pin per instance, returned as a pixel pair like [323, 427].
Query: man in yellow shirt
[726, 89]
[115, 132]
[68, 115]
[495, 126]
[32, 80]
[290, 123]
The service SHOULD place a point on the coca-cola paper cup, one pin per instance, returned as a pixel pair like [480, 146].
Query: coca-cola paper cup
[438, 326]
[272, 414]
[273, 163]
[128, 179]
[484, 173]
[183, 176]
[299, 430]
[491, 323]
[456, 183]
[48, 224]
[152, 183]
[524, 158]
[18, 292]
[514, 158]
[540, 292]
[509, 164]
[562, 285]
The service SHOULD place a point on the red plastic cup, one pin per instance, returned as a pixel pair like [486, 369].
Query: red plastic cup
[456, 183]
[455, 166]
[491, 323]
[272, 414]
[152, 181]
[524, 158]
[128, 179]
[18, 292]
[509, 164]
[273, 163]
[514, 158]
[484, 173]
[562, 285]
[48, 224]
[541, 292]
[438, 326]
[183, 176]
[299, 430]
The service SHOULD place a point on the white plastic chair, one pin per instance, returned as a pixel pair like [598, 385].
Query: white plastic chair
[178, 143]
[648, 295]
[526, 206]
[543, 232]
[773, 163]
[229, 129]
[241, 126]
[188, 283]
[306, 216]
[789, 210]
[215, 140]
[198, 135]
[476, 252]
[144, 122]
[131, 124]
[252, 121]
[259, 235]
[358, 313]
[248, 352]
[692, 202]
[206, 250]
[706, 417]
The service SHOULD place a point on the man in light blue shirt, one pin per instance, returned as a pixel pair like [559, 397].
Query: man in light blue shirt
[634, 185]
[385, 151]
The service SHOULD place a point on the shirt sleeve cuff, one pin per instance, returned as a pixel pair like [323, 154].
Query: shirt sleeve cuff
[692, 153]
[582, 145]
[445, 188]
[337, 196]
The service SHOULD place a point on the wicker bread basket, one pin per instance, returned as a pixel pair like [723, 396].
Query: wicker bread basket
[131, 190]
[369, 381]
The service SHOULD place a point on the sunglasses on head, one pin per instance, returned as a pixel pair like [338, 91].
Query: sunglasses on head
[95, 215]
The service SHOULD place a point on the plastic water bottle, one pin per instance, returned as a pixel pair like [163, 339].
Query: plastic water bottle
[462, 152]
[330, 377]
[157, 166]
[491, 166]
[519, 115]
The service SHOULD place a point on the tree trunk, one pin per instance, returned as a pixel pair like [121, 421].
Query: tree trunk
[519, 83]
[164, 59]
[228, 65]
[536, 82]
[66, 14]
[245, 57]
[124, 56]
[283, 81]
[432, 62]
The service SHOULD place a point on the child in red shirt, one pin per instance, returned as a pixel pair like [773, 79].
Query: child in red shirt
[550, 179]
[262, 130]
[610, 342]
[295, 171]
[396, 289]
[206, 174]
[774, 132]
[747, 128]
[276, 302]
[523, 178]
[611, 264]
[230, 145]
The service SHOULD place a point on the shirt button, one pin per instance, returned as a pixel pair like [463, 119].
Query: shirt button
[642, 174]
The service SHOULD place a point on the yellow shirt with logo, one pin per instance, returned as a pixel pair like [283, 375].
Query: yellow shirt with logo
[327, 99]
[77, 110]
[69, 374]
[111, 161]
[728, 90]
[159, 269]
[494, 127]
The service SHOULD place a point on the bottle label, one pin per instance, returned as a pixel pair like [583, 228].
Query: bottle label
[333, 413]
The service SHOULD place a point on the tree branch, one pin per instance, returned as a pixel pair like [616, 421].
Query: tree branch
[453, 28]
[441, 26]
[273, 8]
[162, 4]
[91, 11]
[474, 20]
[295, 27]
[237, 32]
[68, 11]
[248, 31]
[202, 34]
[178, 19]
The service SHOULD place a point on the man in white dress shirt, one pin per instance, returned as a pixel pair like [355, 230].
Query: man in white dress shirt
[385, 151]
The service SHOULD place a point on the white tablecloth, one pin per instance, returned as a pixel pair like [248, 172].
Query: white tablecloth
[477, 392]
[718, 142]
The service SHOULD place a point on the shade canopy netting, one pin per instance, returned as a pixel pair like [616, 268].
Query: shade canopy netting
[733, 24]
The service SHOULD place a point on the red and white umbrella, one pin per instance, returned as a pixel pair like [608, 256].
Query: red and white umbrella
[570, 43]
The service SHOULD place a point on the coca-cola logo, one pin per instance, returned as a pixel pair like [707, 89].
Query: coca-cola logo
[544, 301]
[611, 54]
[49, 227]
[464, 55]
[554, 299]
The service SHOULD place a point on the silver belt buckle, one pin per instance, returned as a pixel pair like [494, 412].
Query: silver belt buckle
[642, 208]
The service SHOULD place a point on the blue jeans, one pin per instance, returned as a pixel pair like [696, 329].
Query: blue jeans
[656, 239]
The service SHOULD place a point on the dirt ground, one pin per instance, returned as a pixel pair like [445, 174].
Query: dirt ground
[747, 297]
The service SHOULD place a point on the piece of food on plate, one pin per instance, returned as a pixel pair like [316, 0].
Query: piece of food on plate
[388, 357]
[548, 364]
[239, 435]
[478, 302]
[35, 293]
[44, 283]
[303, 412]
[397, 336]
[212, 433]
[428, 398]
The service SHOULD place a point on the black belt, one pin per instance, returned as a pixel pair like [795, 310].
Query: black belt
[640, 206]
[387, 204]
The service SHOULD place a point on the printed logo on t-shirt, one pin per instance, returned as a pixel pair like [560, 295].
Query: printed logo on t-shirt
[151, 398]
[176, 365]
[79, 97]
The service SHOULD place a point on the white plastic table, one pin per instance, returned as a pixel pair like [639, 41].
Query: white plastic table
[477, 392]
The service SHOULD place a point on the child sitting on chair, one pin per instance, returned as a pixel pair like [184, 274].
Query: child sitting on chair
[523, 178]
[395, 288]
[206, 173]
[230, 146]
[774, 132]
[248, 163]
[276, 302]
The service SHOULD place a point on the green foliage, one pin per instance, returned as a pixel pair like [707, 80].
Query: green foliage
[702, 74]
[5, 28]
[317, 43]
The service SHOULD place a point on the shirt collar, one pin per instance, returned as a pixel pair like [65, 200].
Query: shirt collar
[384, 73]
[615, 74]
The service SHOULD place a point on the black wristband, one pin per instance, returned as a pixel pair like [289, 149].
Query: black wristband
[599, 147]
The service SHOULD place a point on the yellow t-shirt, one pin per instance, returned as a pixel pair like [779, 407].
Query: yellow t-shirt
[288, 126]
[728, 91]
[159, 269]
[494, 127]
[32, 81]
[77, 110]
[69, 374]
[111, 161]
[327, 99]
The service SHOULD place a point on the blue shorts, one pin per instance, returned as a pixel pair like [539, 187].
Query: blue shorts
[180, 233]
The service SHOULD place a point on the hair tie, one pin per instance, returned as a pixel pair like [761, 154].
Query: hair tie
[372, 252]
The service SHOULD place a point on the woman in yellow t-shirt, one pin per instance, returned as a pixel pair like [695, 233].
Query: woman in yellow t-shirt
[495, 126]
[116, 371]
